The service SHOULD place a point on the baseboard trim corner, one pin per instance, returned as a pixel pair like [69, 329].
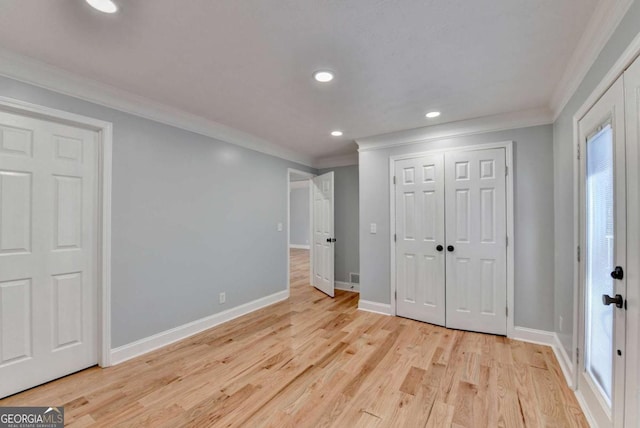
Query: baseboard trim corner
[378, 308]
[151, 343]
[548, 338]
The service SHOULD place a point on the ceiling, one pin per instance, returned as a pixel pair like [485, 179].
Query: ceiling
[248, 64]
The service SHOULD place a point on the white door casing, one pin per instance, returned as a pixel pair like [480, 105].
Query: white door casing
[632, 345]
[48, 251]
[323, 233]
[608, 110]
[419, 193]
[476, 231]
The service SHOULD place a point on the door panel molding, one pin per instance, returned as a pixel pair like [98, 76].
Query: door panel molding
[508, 147]
[104, 144]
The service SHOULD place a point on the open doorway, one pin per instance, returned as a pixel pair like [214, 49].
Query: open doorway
[299, 233]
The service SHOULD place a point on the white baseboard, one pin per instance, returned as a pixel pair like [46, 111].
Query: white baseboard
[566, 364]
[548, 338]
[347, 286]
[151, 343]
[585, 409]
[378, 308]
[300, 247]
[540, 337]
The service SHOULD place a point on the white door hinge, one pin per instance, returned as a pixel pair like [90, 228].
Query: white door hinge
[578, 253]
[394, 179]
[395, 237]
[506, 311]
[506, 170]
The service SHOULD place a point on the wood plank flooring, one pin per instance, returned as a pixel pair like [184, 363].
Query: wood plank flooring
[313, 361]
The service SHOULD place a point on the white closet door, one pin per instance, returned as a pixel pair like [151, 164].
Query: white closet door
[323, 233]
[476, 236]
[48, 218]
[420, 238]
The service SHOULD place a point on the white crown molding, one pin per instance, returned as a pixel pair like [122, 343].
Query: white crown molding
[480, 125]
[37, 73]
[336, 161]
[604, 20]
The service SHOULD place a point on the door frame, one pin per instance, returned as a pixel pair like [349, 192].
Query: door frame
[103, 257]
[309, 176]
[508, 147]
[619, 130]
[632, 373]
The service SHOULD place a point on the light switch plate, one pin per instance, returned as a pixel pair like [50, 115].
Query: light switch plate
[374, 228]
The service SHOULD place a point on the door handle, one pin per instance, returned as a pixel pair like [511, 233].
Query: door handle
[331, 239]
[617, 273]
[450, 248]
[439, 248]
[618, 300]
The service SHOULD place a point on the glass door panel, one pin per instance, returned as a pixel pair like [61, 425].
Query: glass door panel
[600, 259]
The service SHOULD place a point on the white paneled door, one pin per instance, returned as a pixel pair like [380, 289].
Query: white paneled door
[603, 283]
[451, 239]
[476, 228]
[420, 238]
[323, 233]
[48, 278]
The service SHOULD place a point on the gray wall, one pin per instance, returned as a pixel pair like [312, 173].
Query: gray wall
[346, 221]
[192, 217]
[533, 206]
[300, 231]
[563, 170]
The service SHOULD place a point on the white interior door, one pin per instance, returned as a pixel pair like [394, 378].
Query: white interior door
[476, 232]
[323, 233]
[420, 240]
[48, 278]
[601, 375]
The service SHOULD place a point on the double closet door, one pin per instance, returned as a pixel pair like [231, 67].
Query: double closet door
[451, 239]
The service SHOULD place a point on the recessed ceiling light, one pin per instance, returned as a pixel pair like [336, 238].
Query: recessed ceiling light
[336, 133]
[106, 6]
[323, 76]
[433, 114]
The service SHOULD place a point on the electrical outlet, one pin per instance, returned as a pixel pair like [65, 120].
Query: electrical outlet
[279, 227]
[223, 298]
[373, 228]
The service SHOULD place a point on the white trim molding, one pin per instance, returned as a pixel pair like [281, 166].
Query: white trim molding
[480, 125]
[37, 73]
[103, 262]
[347, 286]
[603, 22]
[375, 307]
[151, 343]
[336, 161]
[548, 338]
[300, 247]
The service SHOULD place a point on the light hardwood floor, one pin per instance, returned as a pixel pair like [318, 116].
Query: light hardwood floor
[315, 361]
